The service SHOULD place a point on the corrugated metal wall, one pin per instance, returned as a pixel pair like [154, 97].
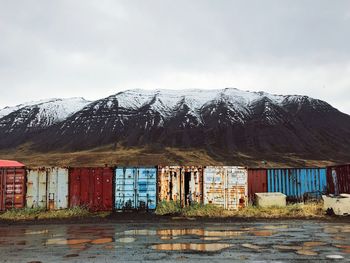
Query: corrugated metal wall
[91, 188]
[338, 179]
[135, 188]
[225, 186]
[180, 183]
[257, 182]
[297, 184]
[47, 188]
[12, 188]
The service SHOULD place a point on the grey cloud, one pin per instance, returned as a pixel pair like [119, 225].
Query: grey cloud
[97, 48]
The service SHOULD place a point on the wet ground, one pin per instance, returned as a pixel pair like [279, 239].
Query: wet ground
[177, 241]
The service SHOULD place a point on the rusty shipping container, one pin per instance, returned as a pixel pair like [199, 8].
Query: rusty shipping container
[135, 188]
[257, 182]
[91, 188]
[12, 185]
[225, 186]
[298, 184]
[47, 188]
[180, 183]
[338, 179]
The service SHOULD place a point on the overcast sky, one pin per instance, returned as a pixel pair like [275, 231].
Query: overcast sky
[97, 48]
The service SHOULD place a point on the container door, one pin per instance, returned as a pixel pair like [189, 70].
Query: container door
[74, 187]
[214, 186]
[107, 189]
[125, 192]
[146, 188]
[257, 182]
[62, 188]
[15, 188]
[57, 196]
[237, 180]
[36, 188]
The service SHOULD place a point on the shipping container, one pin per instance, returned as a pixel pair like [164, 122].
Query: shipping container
[91, 188]
[298, 184]
[182, 184]
[338, 179]
[47, 188]
[135, 188]
[12, 185]
[257, 182]
[225, 186]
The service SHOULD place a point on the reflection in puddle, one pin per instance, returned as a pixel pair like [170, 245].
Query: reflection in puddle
[198, 232]
[306, 252]
[61, 241]
[276, 227]
[334, 257]
[140, 232]
[31, 232]
[193, 247]
[285, 247]
[252, 246]
[168, 238]
[102, 240]
[211, 238]
[263, 233]
[314, 244]
[126, 239]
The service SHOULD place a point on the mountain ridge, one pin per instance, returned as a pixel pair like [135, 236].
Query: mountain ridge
[223, 120]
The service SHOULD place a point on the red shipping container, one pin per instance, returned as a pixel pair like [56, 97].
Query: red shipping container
[338, 179]
[91, 188]
[257, 182]
[12, 188]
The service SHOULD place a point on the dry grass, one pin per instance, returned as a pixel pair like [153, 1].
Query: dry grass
[39, 213]
[310, 210]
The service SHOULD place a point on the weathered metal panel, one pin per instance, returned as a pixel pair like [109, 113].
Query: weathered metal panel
[257, 182]
[225, 186]
[12, 188]
[297, 183]
[57, 188]
[338, 179]
[135, 188]
[180, 183]
[36, 188]
[91, 188]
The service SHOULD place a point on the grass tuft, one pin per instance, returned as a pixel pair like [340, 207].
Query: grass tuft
[40, 213]
[168, 208]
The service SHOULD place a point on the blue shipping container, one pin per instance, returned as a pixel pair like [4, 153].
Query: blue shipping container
[135, 188]
[297, 184]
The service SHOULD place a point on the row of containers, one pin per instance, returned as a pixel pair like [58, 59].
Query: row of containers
[123, 188]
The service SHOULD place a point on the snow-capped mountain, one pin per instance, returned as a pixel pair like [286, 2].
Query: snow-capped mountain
[228, 120]
[30, 117]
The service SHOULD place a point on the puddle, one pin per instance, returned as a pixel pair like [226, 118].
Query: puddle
[192, 247]
[198, 232]
[109, 247]
[263, 233]
[334, 257]
[211, 238]
[168, 238]
[140, 232]
[287, 247]
[40, 232]
[102, 240]
[252, 246]
[314, 244]
[126, 239]
[276, 227]
[61, 241]
[306, 252]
